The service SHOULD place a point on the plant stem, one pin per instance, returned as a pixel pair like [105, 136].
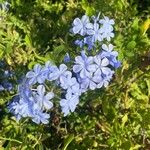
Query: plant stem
[12, 140]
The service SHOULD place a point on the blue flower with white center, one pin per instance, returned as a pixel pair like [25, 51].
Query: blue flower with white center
[58, 72]
[111, 55]
[101, 65]
[95, 32]
[35, 75]
[69, 103]
[83, 65]
[43, 100]
[79, 26]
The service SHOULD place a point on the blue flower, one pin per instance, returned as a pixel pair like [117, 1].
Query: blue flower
[109, 50]
[58, 72]
[79, 26]
[107, 28]
[83, 65]
[35, 75]
[42, 99]
[47, 69]
[23, 108]
[98, 79]
[107, 21]
[75, 89]
[32, 104]
[87, 82]
[88, 40]
[111, 55]
[101, 65]
[66, 81]
[69, 103]
[39, 116]
[14, 108]
[24, 90]
[95, 32]
[103, 80]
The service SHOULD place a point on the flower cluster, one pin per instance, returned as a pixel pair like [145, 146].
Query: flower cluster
[36, 93]
[35, 102]
[6, 76]
[95, 31]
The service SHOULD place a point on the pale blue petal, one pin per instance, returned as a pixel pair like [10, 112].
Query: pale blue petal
[77, 21]
[85, 19]
[92, 85]
[47, 104]
[105, 70]
[62, 68]
[77, 68]
[89, 26]
[41, 90]
[30, 74]
[104, 62]
[49, 96]
[76, 29]
[37, 68]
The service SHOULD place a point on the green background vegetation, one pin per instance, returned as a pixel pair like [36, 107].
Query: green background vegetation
[115, 118]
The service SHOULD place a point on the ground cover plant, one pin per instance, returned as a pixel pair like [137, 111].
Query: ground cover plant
[75, 74]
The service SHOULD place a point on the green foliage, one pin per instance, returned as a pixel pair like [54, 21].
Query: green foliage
[116, 118]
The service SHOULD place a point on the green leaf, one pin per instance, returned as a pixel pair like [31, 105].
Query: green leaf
[67, 141]
[31, 65]
[131, 45]
[135, 24]
[124, 119]
[28, 40]
[126, 145]
[1, 54]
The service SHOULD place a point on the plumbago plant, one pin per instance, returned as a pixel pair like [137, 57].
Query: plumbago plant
[47, 86]
[114, 117]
